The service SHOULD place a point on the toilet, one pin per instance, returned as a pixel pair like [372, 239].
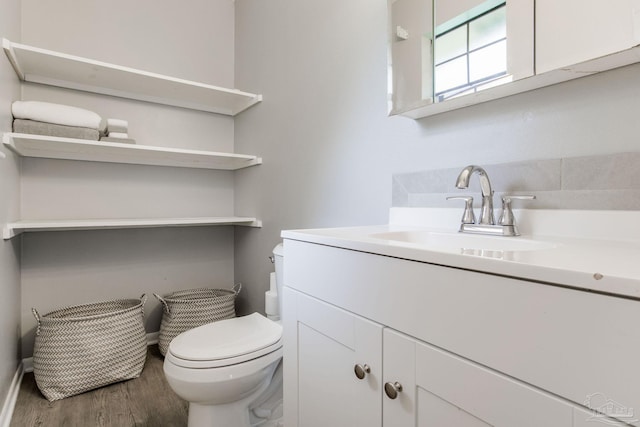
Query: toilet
[226, 369]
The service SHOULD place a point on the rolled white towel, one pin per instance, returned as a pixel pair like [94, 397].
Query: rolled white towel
[117, 125]
[118, 135]
[57, 114]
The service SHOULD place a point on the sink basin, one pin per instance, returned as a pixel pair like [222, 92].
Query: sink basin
[465, 242]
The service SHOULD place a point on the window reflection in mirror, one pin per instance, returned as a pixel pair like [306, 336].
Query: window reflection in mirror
[442, 50]
[470, 51]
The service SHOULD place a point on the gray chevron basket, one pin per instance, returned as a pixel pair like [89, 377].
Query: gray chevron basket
[188, 309]
[87, 346]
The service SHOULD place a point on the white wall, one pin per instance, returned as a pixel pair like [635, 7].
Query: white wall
[330, 150]
[66, 268]
[9, 211]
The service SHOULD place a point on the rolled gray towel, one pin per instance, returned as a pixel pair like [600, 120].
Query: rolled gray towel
[120, 140]
[34, 127]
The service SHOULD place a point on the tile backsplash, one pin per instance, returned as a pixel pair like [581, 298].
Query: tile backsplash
[605, 182]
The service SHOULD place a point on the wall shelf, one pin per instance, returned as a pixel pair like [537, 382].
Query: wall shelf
[58, 69]
[14, 228]
[44, 66]
[50, 147]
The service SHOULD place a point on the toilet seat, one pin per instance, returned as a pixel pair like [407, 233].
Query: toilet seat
[226, 342]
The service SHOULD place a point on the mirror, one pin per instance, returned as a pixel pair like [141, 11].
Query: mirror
[470, 52]
[410, 54]
[441, 50]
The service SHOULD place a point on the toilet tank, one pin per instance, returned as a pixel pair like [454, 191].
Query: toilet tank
[278, 256]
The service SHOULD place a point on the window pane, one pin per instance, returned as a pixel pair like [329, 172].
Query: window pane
[451, 74]
[488, 61]
[451, 44]
[488, 28]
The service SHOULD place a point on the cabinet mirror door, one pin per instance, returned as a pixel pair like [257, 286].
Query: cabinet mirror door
[570, 32]
[410, 54]
[446, 49]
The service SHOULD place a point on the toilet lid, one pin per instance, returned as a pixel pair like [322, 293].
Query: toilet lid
[226, 339]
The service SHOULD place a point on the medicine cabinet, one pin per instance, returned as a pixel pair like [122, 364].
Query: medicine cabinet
[448, 54]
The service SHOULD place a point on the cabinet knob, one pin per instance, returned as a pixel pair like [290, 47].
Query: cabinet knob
[392, 389]
[361, 370]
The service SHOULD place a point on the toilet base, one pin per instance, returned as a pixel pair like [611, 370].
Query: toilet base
[234, 414]
[231, 414]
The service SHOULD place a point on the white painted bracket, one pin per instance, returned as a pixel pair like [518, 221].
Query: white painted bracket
[9, 232]
[257, 223]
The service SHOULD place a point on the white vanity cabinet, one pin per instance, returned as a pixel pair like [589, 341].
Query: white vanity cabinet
[324, 345]
[467, 348]
[569, 32]
[441, 389]
[436, 387]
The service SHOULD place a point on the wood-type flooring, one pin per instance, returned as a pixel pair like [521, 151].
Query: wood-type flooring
[147, 401]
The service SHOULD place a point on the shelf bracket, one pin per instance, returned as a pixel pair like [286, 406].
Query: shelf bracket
[9, 231]
[8, 50]
[255, 223]
[254, 162]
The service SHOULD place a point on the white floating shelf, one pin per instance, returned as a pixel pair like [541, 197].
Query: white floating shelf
[50, 147]
[14, 228]
[73, 72]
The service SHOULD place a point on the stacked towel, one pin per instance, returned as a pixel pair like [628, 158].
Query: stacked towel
[45, 118]
[120, 140]
[117, 131]
[117, 125]
[41, 128]
[118, 135]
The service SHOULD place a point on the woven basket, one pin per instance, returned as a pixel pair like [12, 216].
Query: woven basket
[84, 347]
[188, 309]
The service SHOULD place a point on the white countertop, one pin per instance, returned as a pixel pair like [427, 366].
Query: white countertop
[580, 258]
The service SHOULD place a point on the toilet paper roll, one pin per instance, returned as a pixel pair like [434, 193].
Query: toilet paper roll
[271, 303]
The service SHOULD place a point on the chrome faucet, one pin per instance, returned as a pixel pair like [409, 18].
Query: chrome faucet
[486, 223]
[486, 213]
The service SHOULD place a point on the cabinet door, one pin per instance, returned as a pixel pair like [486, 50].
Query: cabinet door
[572, 31]
[441, 389]
[410, 54]
[323, 344]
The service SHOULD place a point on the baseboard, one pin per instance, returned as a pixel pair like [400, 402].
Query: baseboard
[12, 396]
[152, 338]
[27, 363]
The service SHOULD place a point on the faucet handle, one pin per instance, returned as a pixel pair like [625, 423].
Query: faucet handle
[468, 217]
[507, 218]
